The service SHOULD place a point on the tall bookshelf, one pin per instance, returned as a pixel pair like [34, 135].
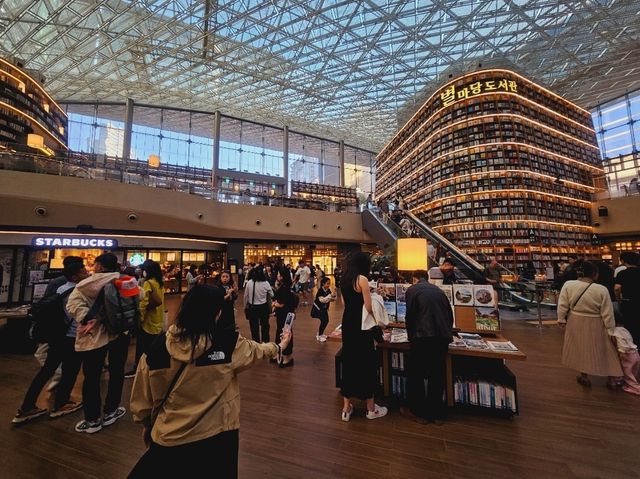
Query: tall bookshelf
[30, 120]
[500, 165]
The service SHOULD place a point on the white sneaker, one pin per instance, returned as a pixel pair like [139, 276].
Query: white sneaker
[322, 338]
[379, 411]
[346, 415]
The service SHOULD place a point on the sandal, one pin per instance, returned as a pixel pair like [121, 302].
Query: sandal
[583, 381]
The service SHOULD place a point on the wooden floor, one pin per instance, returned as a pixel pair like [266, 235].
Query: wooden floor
[291, 425]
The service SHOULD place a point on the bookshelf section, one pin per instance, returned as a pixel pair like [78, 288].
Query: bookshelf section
[492, 159]
[339, 195]
[30, 120]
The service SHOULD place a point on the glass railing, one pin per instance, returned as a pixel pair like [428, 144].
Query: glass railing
[185, 179]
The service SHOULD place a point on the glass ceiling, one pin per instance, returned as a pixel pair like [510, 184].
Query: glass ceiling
[340, 69]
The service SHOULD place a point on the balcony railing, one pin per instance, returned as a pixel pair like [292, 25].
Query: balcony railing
[185, 179]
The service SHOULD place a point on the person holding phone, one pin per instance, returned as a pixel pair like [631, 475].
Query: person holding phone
[320, 308]
[285, 301]
[186, 392]
[225, 282]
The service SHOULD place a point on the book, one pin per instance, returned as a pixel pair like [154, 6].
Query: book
[463, 294]
[487, 319]
[457, 343]
[447, 289]
[469, 336]
[502, 346]
[401, 311]
[399, 336]
[483, 295]
[476, 344]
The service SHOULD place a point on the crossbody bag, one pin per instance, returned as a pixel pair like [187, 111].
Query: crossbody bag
[576, 301]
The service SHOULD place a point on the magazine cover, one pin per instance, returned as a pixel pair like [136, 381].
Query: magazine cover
[463, 294]
[484, 296]
[388, 293]
[487, 319]
[401, 304]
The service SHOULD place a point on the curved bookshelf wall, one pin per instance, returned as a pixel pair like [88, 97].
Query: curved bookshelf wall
[500, 165]
[30, 120]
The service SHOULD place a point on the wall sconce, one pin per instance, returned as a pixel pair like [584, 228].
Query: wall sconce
[412, 254]
[154, 161]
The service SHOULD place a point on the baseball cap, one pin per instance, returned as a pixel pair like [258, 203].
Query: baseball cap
[127, 286]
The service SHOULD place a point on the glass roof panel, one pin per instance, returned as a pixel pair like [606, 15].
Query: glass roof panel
[346, 70]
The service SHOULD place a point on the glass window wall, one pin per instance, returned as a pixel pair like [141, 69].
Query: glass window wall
[251, 148]
[96, 129]
[616, 124]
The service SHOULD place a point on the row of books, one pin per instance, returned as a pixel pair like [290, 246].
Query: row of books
[399, 386]
[397, 360]
[484, 394]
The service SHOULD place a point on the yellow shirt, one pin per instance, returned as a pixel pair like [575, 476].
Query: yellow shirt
[152, 320]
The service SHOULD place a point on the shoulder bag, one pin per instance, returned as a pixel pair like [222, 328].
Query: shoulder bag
[576, 301]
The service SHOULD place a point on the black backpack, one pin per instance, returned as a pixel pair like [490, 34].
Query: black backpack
[121, 313]
[48, 318]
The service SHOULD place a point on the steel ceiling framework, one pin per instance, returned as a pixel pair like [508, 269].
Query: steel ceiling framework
[340, 69]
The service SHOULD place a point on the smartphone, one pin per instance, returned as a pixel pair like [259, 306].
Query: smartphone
[288, 322]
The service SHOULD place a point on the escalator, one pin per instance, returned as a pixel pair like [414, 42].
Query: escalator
[519, 294]
[385, 231]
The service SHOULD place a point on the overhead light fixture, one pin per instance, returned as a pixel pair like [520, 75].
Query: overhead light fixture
[154, 161]
[412, 254]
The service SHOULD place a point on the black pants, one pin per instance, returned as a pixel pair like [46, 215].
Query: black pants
[258, 317]
[144, 341]
[280, 320]
[427, 361]
[217, 456]
[92, 363]
[324, 320]
[60, 351]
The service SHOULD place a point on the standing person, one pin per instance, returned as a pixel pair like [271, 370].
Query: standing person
[301, 281]
[61, 352]
[492, 273]
[529, 271]
[151, 311]
[429, 327]
[95, 343]
[285, 301]
[606, 278]
[337, 275]
[319, 273]
[585, 308]
[257, 293]
[320, 308]
[359, 362]
[196, 425]
[52, 288]
[627, 290]
[192, 277]
[228, 317]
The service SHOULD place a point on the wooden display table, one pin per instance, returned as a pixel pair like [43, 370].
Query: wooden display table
[463, 366]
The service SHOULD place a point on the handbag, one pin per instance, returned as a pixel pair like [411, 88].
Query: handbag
[576, 302]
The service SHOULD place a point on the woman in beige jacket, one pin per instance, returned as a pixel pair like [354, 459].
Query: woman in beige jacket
[586, 309]
[196, 426]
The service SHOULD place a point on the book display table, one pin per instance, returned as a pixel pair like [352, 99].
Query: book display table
[478, 379]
